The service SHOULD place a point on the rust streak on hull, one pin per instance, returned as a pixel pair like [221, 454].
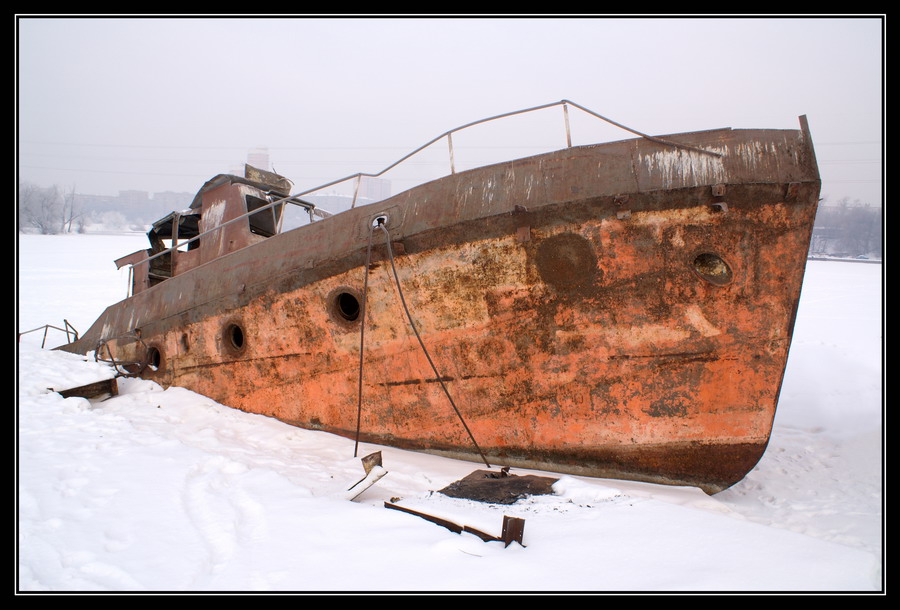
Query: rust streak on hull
[620, 310]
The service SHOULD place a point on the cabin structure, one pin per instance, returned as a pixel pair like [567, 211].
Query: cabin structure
[220, 220]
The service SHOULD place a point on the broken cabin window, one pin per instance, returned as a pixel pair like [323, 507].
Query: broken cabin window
[173, 230]
[265, 222]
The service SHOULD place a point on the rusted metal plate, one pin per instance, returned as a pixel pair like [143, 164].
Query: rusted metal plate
[499, 487]
[98, 389]
[574, 337]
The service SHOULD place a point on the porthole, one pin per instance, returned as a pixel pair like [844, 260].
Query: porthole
[347, 306]
[154, 358]
[234, 337]
[712, 268]
[344, 305]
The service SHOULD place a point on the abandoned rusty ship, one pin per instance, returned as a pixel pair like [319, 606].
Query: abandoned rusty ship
[618, 310]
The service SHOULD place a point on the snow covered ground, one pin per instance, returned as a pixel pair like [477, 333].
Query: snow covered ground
[165, 490]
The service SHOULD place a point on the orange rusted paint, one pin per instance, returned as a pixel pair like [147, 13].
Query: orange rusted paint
[619, 310]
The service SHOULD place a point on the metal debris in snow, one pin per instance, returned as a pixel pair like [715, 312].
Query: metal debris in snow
[499, 487]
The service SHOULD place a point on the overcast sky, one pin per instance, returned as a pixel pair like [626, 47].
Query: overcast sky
[110, 104]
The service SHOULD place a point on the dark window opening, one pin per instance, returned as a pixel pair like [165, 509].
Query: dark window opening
[234, 337]
[174, 229]
[348, 306]
[154, 358]
[265, 222]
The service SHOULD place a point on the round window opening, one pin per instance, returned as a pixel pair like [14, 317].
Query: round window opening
[234, 336]
[347, 306]
[712, 268]
[154, 358]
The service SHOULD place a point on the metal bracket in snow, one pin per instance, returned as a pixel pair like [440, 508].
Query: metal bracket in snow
[374, 472]
[513, 527]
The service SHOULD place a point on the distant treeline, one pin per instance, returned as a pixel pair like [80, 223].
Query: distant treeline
[848, 229]
[51, 210]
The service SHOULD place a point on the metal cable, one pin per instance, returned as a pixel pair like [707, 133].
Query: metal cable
[362, 337]
[422, 344]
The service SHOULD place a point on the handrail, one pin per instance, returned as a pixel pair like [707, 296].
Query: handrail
[448, 134]
[69, 330]
[563, 103]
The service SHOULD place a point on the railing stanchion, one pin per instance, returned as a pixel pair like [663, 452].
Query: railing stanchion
[450, 144]
[355, 192]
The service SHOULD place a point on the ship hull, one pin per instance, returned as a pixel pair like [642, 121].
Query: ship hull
[619, 311]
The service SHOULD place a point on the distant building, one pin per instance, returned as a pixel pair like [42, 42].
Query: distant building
[173, 201]
[136, 207]
[134, 198]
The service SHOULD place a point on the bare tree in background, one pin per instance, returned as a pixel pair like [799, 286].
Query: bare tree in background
[47, 209]
[864, 230]
[69, 212]
[40, 207]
